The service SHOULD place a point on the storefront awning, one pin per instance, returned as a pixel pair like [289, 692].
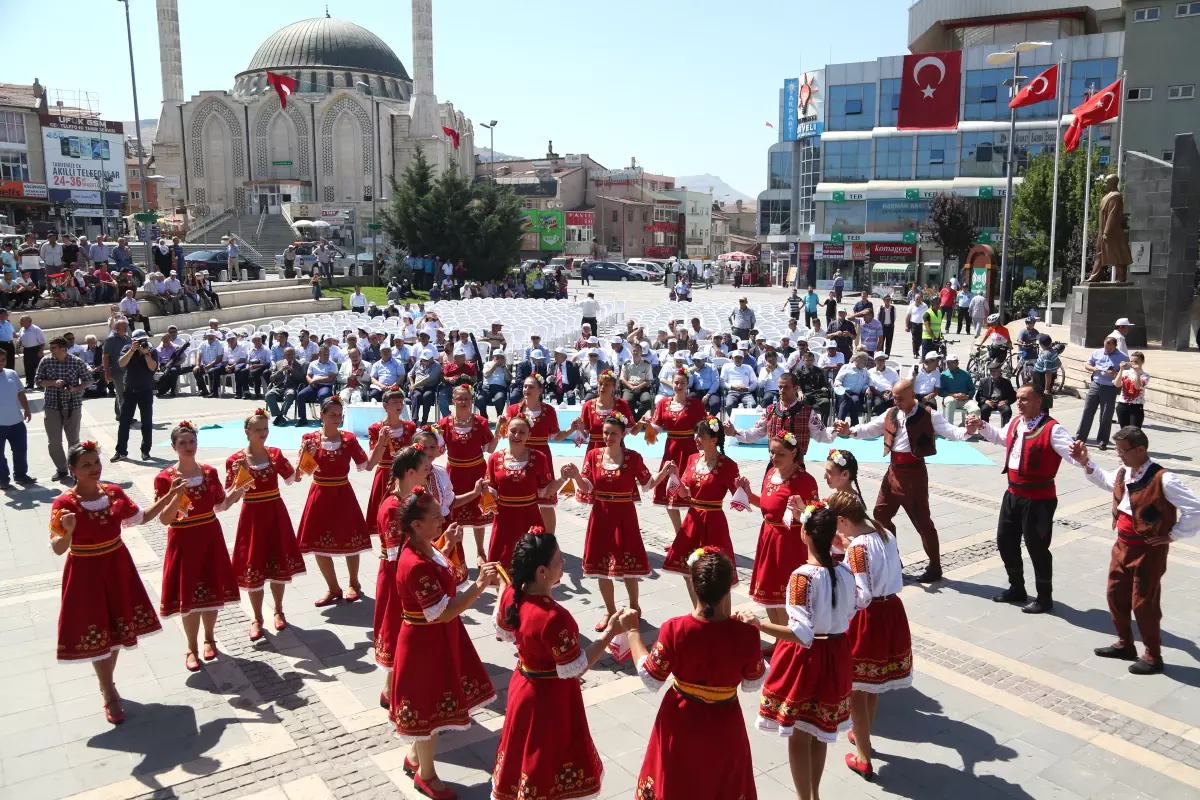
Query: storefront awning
[891, 267]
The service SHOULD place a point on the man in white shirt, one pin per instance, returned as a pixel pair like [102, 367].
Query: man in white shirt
[132, 311]
[1123, 326]
[1152, 507]
[738, 381]
[768, 379]
[306, 348]
[231, 256]
[882, 378]
[384, 374]
[1036, 445]
[671, 363]
[914, 323]
[928, 381]
[832, 361]
[589, 310]
[358, 301]
[156, 288]
[321, 377]
[853, 380]
[335, 353]
[235, 358]
[210, 363]
[618, 352]
[910, 434]
[173, 289]
[589, 374]
[258, 362]
[698, 331]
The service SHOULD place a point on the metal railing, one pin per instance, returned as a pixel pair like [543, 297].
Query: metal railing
[262, 220]
[205, 225]
[252, 254]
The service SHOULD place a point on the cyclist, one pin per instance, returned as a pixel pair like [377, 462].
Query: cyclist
[1027, 344]
[997, 339]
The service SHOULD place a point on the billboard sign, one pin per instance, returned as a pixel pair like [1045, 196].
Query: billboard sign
[791, 109]
[892, 253]
[897, 216]
[546, 227]
[580, 219]
[86, 154]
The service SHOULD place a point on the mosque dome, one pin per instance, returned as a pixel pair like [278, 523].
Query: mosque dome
[327, 44]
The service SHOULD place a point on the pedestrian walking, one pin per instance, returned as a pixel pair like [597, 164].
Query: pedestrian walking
[978, 309]
[64, 378]
[839, 285]
[114, 372]
[811, 303]
[14, 413]
[140, 362]
[962, 301]
[1104, 365]
[32, 343]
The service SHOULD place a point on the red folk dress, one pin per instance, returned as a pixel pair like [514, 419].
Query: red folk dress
[381, 482]
[780, 549]
[699, 749]
[332, 523]
[810, 682]
[593, 419]
[265, 548]
[437, 679]
[541, 428]
[104, 604]
[705, 523]
[546, 749]
[388, 614]
[465, 464]
[679, 424]
[613, 547]
[197, 573]
[517, 485]
[880, 640]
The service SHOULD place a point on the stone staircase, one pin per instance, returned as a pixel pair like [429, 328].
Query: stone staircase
[276, 235]
[1171, 396]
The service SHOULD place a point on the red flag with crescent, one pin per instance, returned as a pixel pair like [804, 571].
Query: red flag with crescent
[929, 90]
[453, 134]
[284, 86]
[1043, 87]
[1100, 107]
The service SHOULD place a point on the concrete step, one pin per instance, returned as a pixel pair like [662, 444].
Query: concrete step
[1173, 398]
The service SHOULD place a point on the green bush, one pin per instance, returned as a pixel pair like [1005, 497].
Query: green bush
[1030, 294]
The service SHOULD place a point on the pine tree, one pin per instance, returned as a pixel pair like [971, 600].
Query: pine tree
[405, 219]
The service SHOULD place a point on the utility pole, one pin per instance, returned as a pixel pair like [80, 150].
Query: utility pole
[137, 126]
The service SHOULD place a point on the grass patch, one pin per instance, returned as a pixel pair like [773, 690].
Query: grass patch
[374, 294]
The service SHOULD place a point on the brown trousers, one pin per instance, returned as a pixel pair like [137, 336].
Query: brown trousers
[1135, 585]
[907, 486]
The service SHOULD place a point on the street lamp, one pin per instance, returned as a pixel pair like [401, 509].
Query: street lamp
[491, 126]
[137, 122]
[1014, 84]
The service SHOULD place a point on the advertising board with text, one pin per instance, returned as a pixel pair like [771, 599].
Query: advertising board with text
[86, 154]
[549, 226]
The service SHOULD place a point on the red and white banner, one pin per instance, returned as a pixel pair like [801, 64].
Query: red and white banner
[929, 88]
[1043, 87]
[1100, 107]
[581, 219]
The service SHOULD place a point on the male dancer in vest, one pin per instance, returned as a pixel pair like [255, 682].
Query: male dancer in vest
[1036, 445]
[909, 433]
[1151, 508]
[791, 414]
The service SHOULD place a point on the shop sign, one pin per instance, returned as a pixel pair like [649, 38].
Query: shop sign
[661, 227]
[35, 191]
[837, 237]
[979, 280]
[833, 252]
[791, 108]
[83, 153]
[580, 219]
[858, 251]
[911, 237]
[85, 197]
[892, 253]
[986, 193]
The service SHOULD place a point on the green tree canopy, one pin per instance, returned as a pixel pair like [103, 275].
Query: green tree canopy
[951, 226]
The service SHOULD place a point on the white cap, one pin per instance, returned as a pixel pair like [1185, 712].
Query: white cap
[593, 340]
[880, 354]
[831, 345]
[679, 357]
[562, 351]
[539, 353]
[1123, 321]
[932, 356]
[616, 340]
[497, 322]
[952, 357]
[743, 345]
[591, 351]
[459, 350]
[214, 319]
[428, 354]
[672, 339]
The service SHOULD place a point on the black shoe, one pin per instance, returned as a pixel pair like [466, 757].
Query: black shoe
[26, 479]
[59, 475]
[1038, 606]
[116, 457]
[1011, 595]
[1141, 667]
[1104, 445]
[145, 455]
[1127, 653]
[279, 421]
[929, 576]
[5, 486]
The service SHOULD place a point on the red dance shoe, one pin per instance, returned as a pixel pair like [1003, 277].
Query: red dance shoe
[410, 769]
[328, 599]
[353, 593]
[425, 789]
[863, 768]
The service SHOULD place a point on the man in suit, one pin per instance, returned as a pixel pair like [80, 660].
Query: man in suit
[996, 394]
[563, 381]
[535, 364]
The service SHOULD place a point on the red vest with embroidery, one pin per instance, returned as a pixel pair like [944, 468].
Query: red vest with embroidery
[1153, 514]
[1034, 476]
[795, 423]
[921, 436]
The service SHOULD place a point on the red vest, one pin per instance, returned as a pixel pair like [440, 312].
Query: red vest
[1153, 514]
[922, 440]
[795, 423]
[1034, 478]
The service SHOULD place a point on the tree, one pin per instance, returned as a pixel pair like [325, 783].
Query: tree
[1031, 211]
[449, 217]
[951, 227]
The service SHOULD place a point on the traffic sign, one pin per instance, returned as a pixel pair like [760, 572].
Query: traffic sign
[281, 163]
[375, 226]
[147, 216]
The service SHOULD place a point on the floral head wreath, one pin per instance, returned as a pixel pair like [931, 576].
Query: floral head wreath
[537, 376]
[537, 530]
[713, 423]
[788, 437]
[809, 509]
[617, 415]
[89, 446]
[186, 425]
[335, 399]
[607, 373]
[837, 457]
[421, 448]
[259, 412]
[418, 490]
[470, 390]
[701, 552]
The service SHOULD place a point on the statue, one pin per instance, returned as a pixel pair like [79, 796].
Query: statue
[1112, 245]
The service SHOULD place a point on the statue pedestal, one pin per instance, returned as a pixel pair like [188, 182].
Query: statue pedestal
[1095, 308]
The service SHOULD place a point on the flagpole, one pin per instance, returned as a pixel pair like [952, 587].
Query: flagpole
[1121, 129]
[1087, 204]
[1054, 200]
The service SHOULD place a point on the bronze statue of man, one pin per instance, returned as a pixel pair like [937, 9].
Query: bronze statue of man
[1112, 245]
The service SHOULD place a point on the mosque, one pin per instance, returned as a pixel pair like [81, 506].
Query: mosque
[354, 121]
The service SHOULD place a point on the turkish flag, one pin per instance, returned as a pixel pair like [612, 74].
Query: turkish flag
[929, 90]
[1100, 107]
[1043, 87]
[284, 86]
[453, 134]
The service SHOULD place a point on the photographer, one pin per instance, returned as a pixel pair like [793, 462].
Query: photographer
[140, 362]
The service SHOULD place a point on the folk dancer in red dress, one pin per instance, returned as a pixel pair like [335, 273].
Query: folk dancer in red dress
[543, 429]
[198, 578]
[613, 549]
[698, 749]
[467, 436]
[781, 549]
[707, 477]
[439, 484]
[595, 412]
[1036, 445]
[910, 433]
[105, 607]
[546, 749]
[806, 698]
[332, 524]
[438, 679]
[1151, 508]
[880, 642]
[265, 548]
[678, 415]
[518, 478]
[841, 475]
[384, 439]
[791, 413]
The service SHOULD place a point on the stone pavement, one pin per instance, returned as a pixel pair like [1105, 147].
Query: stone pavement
[1003, 704]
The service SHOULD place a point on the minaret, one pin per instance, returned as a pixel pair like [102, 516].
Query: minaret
[170, 54]
[423, 107]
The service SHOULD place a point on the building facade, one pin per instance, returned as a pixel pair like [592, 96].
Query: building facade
[1161, 92]
[696, 208]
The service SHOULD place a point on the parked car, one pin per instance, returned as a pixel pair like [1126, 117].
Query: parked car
[305, 258]
[613, 271]
[570, 264]
[213, 261]
[654, 268]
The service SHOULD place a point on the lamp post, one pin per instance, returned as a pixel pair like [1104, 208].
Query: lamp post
[1014, 84]
[374, 226]
[137, 122]
[491, 126]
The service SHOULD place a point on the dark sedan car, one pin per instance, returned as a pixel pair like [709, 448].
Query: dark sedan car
[612, 271]
[213, 261]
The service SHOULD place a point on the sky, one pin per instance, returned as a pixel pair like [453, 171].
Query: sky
[685, 86]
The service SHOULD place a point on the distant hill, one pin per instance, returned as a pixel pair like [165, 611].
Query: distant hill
[485, 155]
[722, 192]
